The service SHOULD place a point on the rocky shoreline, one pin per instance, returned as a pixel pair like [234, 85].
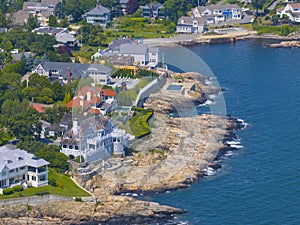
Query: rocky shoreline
[181, 150]
[190, 41]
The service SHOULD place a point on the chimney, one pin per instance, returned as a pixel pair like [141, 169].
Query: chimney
[88, 96]
[69, 75]
[81, 103]
[75, 125]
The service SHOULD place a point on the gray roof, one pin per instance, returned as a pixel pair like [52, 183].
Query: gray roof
[123, 1]
[153, 6]
[50, 30]
[78, 70]
[118, 42]
[201, 9]
[189, 20]
[99, 10]
[99, 67]
[17, 158]
[64, 37]
[154, 50]
[135, 49]
[3, 30]
[18, 56]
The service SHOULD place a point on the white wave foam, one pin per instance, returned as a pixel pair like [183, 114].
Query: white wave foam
[229, 153]
[236, 146]
[233, 142]
[243, 122]
[207, 102]
[212, 96]
[209, 171]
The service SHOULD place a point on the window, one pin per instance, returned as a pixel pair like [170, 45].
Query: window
[22, 168]
[32, 169]
[3, 173]
[42, 178]
[17, 169]
[11, 171]
[64, 146]
[33, 178]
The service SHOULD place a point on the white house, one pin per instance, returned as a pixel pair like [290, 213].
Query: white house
[91, 138]
[99, 15]
[291, 10]
[188, 25]
[220, 13]
[20, 167]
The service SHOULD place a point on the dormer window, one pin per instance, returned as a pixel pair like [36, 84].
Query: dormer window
[9, 161]
[20, 158]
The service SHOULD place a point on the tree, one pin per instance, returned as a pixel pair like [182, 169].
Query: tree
[25, 125]
[52, 21]
[132, 6]
[73, 7]
[176, 8]
[59, 10]
[67, 98]
[275, 19]
[32, 22]
[258, 4]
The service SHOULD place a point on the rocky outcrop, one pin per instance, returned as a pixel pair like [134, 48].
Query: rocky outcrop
[115, 210]
[177, 150]
[284, 44]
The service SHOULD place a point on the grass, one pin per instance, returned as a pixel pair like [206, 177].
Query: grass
[126, 98]
[66, 187]
[138, 124]
[141, 28]
[280, 30]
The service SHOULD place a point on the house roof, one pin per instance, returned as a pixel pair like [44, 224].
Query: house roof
[295, 5]
[123, 1]
[77, 69]
[280, 9]
[76, 102]
[19, 17]
[3, 29]
[118, 42]
[50, 30]
[38, 107]
[107, 92]
[43, 3]
[99, 10]
[153, 6]
[65, 38]
[94, 111]
[189, 20]
[17, 158]
[94, 90]
[201, 9]
[135, 49]
[99, 67]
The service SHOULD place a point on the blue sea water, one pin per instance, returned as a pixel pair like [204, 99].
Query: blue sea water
[259, 184]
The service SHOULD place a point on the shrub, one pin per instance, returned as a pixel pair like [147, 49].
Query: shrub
[18, 188]
[8, 191]
[40, 193]
[77, 199]
[52, 182]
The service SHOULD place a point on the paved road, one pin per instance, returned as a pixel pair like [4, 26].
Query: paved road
[271, 7]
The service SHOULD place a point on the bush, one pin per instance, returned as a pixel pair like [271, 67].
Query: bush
[18, 188]
[52, 182]
[8, 191]
[77, 199]
[40, 193]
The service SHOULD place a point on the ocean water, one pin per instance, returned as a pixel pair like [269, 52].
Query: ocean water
[259, 184]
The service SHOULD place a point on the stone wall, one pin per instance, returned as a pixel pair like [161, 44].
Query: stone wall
[34, 200]
[149, 89]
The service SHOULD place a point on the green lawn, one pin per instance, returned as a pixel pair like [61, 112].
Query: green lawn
[138, 124]
[142, 28]
[65, 187]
